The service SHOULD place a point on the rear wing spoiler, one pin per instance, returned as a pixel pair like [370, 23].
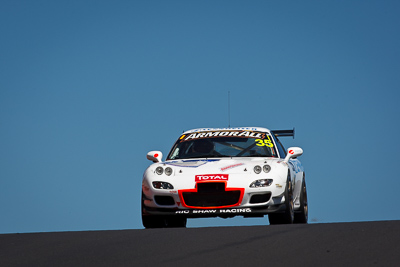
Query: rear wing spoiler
[283, 132]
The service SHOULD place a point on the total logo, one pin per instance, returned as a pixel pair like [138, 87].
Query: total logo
[212, 177]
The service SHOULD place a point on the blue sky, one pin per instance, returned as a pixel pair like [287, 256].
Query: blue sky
[87, 88]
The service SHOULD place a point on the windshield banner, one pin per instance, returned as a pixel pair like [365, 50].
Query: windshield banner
[213, 134]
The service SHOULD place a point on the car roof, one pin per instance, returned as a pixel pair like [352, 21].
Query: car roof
[257, 129]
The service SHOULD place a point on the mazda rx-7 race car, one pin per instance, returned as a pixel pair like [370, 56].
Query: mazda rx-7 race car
[225, 172]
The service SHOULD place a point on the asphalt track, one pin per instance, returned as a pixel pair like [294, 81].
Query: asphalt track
[336, 244]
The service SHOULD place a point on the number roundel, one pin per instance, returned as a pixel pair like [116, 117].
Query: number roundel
[265, 142]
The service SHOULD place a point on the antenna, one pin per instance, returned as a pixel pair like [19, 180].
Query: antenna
[229, 109]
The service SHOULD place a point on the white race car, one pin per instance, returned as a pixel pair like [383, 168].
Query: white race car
[225, 172]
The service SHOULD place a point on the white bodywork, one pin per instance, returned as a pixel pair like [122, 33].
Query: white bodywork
[237, 173]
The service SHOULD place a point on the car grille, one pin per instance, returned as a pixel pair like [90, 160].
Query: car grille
[211, 195]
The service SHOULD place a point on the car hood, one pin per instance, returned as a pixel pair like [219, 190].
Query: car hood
[224, 165]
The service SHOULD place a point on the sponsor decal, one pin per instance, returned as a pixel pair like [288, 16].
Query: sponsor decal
[215, 211]
[204, 211]
[211, 177]
[291, 152]
[221, 129]
[182, 212]
[231, 166]
[235, 210]
[209, 134]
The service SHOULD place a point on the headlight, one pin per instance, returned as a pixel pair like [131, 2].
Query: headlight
[168, 171]
[266, 168]
[159, 170]
[257, 169]
[162, 185]
[261, 183]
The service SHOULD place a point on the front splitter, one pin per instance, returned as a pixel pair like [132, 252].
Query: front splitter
[225, 212]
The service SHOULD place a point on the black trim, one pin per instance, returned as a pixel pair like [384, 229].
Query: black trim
[164, 200]
[283, 132]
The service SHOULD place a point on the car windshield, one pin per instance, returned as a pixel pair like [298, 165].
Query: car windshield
[216, 144]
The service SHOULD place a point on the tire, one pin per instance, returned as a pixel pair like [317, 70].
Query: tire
[287, 217]
[151, 221]
[301, 216]
[176, 221]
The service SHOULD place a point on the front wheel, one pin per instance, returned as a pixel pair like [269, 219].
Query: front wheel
[302, 215]
[163, 221]
[287, 217]
[152, 221]
[149, 221]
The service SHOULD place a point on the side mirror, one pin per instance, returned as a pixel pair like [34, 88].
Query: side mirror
[293, 152]
[154, 156]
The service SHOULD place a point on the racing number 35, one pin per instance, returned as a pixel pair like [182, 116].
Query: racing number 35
[265, 142]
